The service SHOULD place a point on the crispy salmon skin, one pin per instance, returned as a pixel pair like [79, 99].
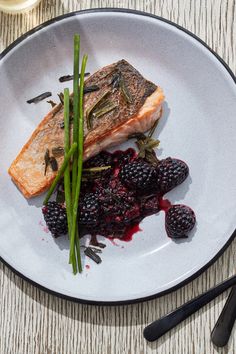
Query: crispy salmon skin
[124, 103]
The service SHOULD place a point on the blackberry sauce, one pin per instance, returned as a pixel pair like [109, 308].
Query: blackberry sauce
[121, 209]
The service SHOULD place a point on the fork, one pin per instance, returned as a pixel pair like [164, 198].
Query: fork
[223, 327]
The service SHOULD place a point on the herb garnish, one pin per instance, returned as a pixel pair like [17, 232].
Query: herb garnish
[90, 110]
[70, 77]
[96, 169]
[96, 250]
[94, 242]
[75, 111]
[40, 97]
[100, 244]
[93, 173]
[89, 252]
[60, 198]
[118, 82]
[61, 97]
[78, 137]
[66, 78]
[125, 91]
[115, 82]
[146, 144]
[53, 163]
[104, 108]
[91, 88]
[50, 160]
[52, 103]
[72, 193]
[58, 151]
[60, 172]
[62, 124]
[46, 160]
[87, 90]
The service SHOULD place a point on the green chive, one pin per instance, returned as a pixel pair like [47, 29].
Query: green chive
[74, 246]
[75, 109]
[67, 186]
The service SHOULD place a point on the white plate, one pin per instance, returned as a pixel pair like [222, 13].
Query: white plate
[198, 127]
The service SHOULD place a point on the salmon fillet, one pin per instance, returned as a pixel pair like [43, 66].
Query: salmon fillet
[135, 104]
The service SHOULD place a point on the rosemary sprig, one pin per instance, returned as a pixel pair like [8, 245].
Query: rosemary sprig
[115, 81]
[75, 110]
[40, 97]
[146, 145]
[87, 89]
[52, 103]
[89, 252]
[96, 169]
[58, 151]
[75, 246]
[92, 88]
[125, 91]
[60, 172]
[61, 97]
[153, 128]
[118, 82]
[53, 163]
[92, 108]
[105, 108]
[69, 77]
[46, 161]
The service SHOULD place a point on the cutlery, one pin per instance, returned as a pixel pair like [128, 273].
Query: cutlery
[223, 327]
[159, 327]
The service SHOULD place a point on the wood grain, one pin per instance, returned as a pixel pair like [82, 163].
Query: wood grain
[34, 322]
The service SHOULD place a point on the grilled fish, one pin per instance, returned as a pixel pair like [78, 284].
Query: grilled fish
[124, 103]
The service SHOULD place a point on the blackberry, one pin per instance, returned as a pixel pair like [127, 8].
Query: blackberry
[55, 218]
[124, 157]
[89, 210]
[139, 175]
[171, 173]
[180, 220]
[87, 185]
[104, 158]
[150, 205]
[100, 160]
[119, 207]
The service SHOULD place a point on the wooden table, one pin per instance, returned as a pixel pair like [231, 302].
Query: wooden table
[34, 322]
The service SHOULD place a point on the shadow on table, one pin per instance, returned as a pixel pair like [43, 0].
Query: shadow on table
[124, 318]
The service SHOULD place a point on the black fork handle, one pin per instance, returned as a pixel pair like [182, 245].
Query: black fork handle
[223, 327]
[159, 327]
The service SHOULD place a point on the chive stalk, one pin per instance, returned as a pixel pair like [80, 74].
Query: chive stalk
[60, 172]
[67, 184]
[74, 244]
[75, 110]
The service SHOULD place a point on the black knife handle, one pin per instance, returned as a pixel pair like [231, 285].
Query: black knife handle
[223, 327]
[157, 328]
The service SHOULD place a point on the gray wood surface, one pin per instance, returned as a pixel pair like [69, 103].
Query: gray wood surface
[34, 322]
